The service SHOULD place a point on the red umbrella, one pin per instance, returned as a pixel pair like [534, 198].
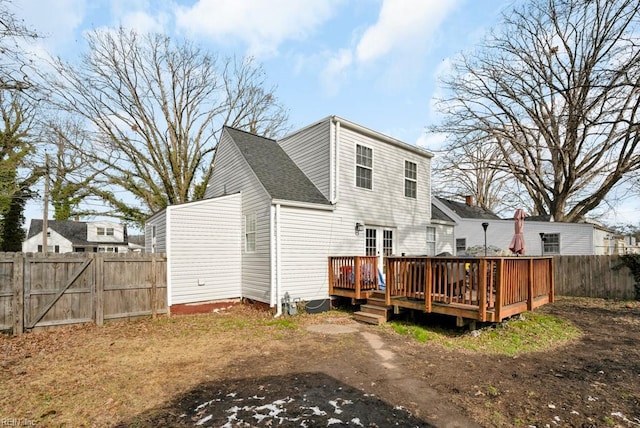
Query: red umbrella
[517, 243]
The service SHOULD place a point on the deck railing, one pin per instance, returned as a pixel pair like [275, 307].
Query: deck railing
[480, 288]
[353, 276]
[485, 288]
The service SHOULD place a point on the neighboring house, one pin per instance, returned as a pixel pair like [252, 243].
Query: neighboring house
[276, 210]
[542, 235]
[77, 237]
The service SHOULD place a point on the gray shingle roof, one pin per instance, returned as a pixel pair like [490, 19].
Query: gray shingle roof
[74, 231]
[279, 175]
[466, 211]
[438, 214]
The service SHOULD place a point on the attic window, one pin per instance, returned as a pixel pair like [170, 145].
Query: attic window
[364, 167]
[102, 231]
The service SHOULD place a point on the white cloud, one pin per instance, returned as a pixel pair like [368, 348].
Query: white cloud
[333, 70]
[402, 24]
[262, 25]
[143, 22]
[431, 141]
[57, 22]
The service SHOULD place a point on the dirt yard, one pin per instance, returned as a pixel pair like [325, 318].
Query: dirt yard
[242, 368]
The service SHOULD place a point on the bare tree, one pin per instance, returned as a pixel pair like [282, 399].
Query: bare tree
[556, 87]
[154, 109]
[65, 142]
[466, 167]
[14, 66]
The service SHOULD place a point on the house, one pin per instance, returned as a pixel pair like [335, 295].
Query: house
[77, 237]
[274, 211]
[542, 235]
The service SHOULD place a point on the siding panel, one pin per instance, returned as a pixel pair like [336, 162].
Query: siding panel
[205, 252]
[309, 149]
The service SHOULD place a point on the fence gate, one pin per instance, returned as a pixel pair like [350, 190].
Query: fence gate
[58, 290]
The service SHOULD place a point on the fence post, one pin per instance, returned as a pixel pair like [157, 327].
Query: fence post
[552, 275]
[154, 288]
[499, 289]
[330, 274]
[428, 283]
[99, 287]
[18, 294]
[530, 286]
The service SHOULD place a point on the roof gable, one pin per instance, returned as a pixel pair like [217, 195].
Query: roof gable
[279, 175]
[467, 211]
[74, 231]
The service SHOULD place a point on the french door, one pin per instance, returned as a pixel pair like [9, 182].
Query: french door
[379, 241]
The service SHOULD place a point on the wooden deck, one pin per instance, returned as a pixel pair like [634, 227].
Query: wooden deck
[480, 288]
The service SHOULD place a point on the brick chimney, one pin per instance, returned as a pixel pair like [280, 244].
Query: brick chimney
[469, 200]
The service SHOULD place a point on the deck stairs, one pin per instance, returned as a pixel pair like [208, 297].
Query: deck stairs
[374, 311]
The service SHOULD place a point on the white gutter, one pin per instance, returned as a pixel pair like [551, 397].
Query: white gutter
[299, 204]
[167, 249]
[278, 264]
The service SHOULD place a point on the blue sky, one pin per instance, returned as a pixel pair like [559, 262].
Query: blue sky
[374, 62]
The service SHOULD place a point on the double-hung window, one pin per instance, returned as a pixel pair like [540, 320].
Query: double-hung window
[551, 243]
[250, 233]
[431, 241]
[364, 167]
[410, 179]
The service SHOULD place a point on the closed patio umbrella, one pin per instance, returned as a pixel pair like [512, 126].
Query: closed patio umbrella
[517, 242]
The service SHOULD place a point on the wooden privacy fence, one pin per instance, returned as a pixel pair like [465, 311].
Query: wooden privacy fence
[594, 276]
[41, 290]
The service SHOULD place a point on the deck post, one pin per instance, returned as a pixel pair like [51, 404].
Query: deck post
[552, 284]
[330, 271]
[389, 274]
[482, 291]
[357, 280]
[530, 286]
[427, 284]
[499, 288]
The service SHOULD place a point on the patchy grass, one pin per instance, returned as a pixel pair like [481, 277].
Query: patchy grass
[90, 376]
[533, 332]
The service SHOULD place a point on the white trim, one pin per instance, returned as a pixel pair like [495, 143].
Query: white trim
[356, 165]
[278, 264]
[272, 255]
[167, 249]
[337, 161]
[405, 178]
[368, 132]
[298, 204]
[332, 166]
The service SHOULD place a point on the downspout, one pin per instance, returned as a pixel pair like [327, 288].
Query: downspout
[332, 166]
[272, 256]
[278, 264]
[336, 193]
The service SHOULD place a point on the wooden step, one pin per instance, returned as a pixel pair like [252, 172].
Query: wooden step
[382, 311]
[369, 318]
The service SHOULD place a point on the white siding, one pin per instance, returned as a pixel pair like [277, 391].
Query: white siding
[385, 205]
[204, 251]
[309, 149]
[31, 245]
[575, 238]
[92, 232]
[159, 220]
[232, 174]
[308, 237]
